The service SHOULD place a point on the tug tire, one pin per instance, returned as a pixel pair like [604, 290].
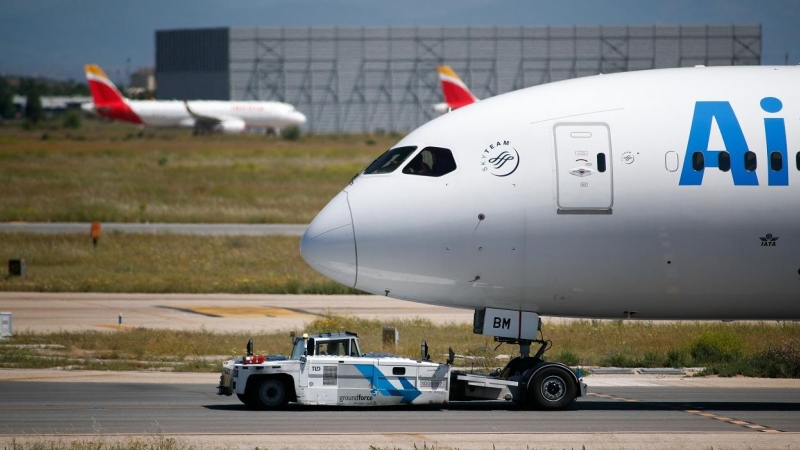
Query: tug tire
[552, 388]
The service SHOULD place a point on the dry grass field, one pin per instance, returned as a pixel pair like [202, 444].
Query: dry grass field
[111, 172]
[162, 263]
[726, 348]
[115, 173]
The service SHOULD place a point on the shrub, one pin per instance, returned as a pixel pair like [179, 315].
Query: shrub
[72, 120]
[568, 357]
[291, 133]
[717, 346]
[779, 361]
[652, 359]
[729, 369]
[620, 360]
[678, 359]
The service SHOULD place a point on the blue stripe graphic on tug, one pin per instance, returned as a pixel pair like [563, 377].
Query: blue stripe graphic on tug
[384, 387]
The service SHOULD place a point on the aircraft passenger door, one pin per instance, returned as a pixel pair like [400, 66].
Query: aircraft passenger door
[583, 167]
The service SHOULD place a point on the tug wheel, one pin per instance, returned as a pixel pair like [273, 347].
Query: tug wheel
[269, 394]
[246, 399]
[552, 388]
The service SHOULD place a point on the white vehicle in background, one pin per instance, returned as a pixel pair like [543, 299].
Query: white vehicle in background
[329, 369]
[204, 116]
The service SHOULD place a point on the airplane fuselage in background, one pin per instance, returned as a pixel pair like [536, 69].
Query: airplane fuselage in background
[534, 219]
[173, 113]
[202, 115]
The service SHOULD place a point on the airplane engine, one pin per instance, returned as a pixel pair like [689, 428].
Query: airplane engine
[231, 126]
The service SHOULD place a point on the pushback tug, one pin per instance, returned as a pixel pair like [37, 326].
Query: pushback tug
[330, 369]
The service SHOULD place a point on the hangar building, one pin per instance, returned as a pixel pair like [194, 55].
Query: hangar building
[384, 79]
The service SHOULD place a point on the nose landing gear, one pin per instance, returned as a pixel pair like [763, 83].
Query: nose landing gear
[543, 384]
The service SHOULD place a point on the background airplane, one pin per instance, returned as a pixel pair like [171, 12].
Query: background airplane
[456, 93]
[202, 115]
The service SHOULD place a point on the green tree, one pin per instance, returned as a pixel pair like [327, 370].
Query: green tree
[6, 100]
[33, 107]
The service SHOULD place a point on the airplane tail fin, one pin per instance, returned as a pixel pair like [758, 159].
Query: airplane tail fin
[102, 88]
[456, 93]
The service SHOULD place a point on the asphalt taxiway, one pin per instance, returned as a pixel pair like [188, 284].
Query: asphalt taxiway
[621, 411]
[667, 413]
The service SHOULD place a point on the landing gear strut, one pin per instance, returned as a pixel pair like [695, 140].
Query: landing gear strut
[519, 365]
[540, 383]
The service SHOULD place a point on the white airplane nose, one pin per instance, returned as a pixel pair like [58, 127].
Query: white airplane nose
[329, 244]
[299, 117]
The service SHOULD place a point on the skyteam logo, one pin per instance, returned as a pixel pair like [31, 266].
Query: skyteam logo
[500, 159]
[735, 145]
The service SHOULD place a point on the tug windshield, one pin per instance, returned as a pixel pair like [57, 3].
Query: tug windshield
[299, 348]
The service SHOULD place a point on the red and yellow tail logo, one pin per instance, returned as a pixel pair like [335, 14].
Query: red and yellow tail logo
[456, 93]
[102, 89]
[108, 101]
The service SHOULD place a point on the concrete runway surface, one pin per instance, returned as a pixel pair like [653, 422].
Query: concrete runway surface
[43, 312]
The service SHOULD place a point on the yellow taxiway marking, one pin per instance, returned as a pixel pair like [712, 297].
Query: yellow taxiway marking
[244, 311]
[697, 412]
[732, 421]
[612, 397]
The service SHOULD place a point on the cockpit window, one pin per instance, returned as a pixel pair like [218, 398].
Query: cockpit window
[390, 160]
[431, 162]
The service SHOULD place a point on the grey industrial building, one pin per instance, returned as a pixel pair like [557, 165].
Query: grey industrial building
[371, 79]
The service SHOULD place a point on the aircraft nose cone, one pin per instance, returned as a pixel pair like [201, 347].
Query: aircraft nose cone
[329, 244]
[299, 117]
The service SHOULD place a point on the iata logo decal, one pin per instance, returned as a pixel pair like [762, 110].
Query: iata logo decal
[500, 159]
[768, 240]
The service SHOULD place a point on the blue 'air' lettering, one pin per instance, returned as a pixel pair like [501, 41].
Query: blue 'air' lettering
[705, 113]
[775, 130]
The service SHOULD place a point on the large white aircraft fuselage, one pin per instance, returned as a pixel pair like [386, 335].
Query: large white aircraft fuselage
[534, 219]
